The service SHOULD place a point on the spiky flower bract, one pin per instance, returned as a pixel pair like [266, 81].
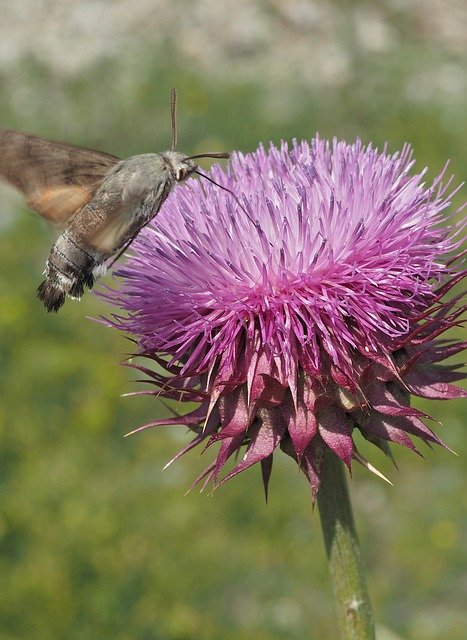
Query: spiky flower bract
[307, 309]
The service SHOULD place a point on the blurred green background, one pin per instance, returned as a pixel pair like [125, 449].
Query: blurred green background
[96, 540]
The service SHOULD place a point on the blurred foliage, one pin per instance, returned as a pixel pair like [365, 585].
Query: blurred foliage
[97, 541]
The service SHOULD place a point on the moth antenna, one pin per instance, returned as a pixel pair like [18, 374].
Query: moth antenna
[173, 115]
[203, 175]
[216, 154]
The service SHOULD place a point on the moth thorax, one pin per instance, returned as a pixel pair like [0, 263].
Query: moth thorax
[180, 166]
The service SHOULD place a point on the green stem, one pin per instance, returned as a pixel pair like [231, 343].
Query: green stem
[343, 551]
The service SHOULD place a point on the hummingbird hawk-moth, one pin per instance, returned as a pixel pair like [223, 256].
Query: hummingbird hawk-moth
[99, 201]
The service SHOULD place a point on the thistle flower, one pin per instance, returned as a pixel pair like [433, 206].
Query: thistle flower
[309, 309]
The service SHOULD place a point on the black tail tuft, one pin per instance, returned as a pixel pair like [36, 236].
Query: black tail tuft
[77, 288]
[52, 296]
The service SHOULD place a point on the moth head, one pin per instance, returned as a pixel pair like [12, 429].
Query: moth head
[180, 166]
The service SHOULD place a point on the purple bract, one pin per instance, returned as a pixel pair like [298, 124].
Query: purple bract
[307, 309]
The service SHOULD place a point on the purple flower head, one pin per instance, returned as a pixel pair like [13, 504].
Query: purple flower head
[306, 310]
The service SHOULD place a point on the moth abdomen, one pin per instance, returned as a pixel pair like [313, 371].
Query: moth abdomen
[69, 270]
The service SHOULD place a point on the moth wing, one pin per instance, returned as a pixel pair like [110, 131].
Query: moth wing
[119, 216]
[56, 178]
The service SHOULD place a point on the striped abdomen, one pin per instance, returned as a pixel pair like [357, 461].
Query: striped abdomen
[68, 271]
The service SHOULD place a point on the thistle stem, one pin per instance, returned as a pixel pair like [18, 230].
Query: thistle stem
[344, 555]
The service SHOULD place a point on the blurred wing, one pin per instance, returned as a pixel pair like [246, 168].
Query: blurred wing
[57, 179]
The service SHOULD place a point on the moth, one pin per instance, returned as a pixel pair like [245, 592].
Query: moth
[99, 201]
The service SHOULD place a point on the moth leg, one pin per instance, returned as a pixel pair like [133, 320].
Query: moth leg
[122, 250]
[132, 237]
